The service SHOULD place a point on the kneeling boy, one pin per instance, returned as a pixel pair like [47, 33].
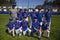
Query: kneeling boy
[25, 27]
[18, 28]
[11, 27]
[36, 28]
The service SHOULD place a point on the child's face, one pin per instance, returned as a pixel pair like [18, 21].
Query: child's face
[10, 21]
[45, 23]
[35, 20]
[13, 7]
[17, 20]
[24, 18]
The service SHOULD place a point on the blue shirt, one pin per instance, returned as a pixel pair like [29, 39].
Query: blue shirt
[17, 25]
[32, 15]
[11, 25]
[25, 14]
[24, 25]
[36, 25]
[48, 16]
[40, 16]
[20, 17]
[45, 26]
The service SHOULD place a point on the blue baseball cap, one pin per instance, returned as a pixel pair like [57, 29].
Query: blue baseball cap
[14, 5]
[17, 19]
[45, 21]
[11, 18]
[24, 17]
[35, 17]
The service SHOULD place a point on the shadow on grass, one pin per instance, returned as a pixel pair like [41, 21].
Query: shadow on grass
[8, 32]
[34, 36]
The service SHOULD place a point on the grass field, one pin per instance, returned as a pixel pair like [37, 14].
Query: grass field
[54, 35]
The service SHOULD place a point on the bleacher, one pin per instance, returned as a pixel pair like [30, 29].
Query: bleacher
[5, 10]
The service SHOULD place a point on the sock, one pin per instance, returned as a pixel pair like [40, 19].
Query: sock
[42, 33]
[48, 33]
[39, 36]
[29, 34]
[13, 33]
[20, 33]
[24, 33]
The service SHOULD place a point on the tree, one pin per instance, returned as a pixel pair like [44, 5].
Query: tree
[56, 3]
[6, 2]
[38, 7]
[47, 2]
[2, 2]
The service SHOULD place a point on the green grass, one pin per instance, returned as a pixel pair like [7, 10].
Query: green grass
[54, 35]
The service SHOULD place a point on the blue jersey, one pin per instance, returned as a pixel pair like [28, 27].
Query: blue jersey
[24, 25]
[48, 16]
[25, 14]
[11, 25]
[36, 25]
[37, 13]
[40, 16]
[17, 25]
[20, 17]
[32, 15]
[45, 26]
